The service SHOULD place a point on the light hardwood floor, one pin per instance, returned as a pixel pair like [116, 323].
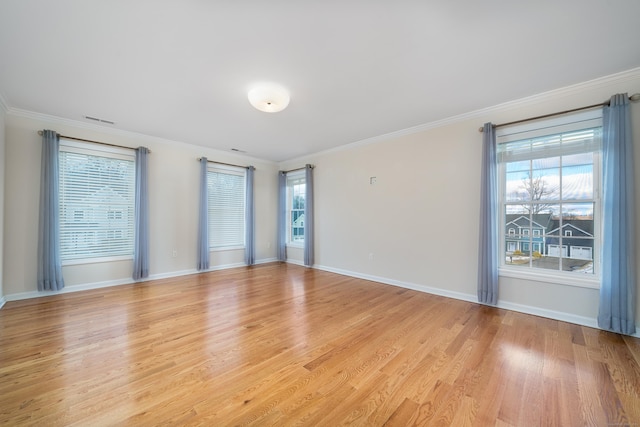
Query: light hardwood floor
[279, 344]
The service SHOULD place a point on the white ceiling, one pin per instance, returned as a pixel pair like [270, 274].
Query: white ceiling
[180, 69]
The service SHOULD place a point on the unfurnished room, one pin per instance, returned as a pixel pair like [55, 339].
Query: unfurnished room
[278, 213]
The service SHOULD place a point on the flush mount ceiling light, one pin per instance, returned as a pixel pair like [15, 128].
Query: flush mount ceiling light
[269, 97]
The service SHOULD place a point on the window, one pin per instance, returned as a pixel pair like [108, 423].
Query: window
[296, 190]
[226, 191]
[97, 187]
[549, 181]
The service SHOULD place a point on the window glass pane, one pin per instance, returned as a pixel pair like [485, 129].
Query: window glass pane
[516, 185]
[578, 230]
[577, 176]
[517, 242]
[96, 205]
[226, 208]
[544, 183]
[296, 190]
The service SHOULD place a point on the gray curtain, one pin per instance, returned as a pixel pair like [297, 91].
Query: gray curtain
[49, 263]
[617, 291]
[282, 216]
[203, 218]
[250, 241]
[487, 262]
[308, 216]
[141, 239]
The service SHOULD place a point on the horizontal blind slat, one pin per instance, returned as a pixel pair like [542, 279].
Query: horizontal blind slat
[96, 205]
[226, 194]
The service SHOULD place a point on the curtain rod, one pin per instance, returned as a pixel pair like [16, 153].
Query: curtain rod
[633, 98]
[226, 164]
[94, 142]
[298, 169]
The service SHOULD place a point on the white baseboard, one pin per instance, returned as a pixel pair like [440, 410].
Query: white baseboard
[67, 290]
[266, 260]
[520, 308]
[300, 263]
[118, 282]
[401, 284]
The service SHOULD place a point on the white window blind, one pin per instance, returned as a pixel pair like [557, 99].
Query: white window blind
[97, 189]
[226, 191]
[565, 135]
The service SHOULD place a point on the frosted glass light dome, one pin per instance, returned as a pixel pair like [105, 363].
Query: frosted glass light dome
[269, 97]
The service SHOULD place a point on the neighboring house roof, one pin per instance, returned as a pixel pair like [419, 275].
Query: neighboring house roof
[581, 226]
[537, 220]
[299, 221]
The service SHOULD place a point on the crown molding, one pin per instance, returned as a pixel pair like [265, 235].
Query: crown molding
[18, 112]
[601, 82]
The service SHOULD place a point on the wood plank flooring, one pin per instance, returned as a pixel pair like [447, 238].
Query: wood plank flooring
[283, 345]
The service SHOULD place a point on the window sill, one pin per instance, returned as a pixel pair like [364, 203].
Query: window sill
[80, 261]
[567, 279]
[295, 245]
[226, 248]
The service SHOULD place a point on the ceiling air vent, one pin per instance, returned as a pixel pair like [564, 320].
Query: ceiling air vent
[95, 119]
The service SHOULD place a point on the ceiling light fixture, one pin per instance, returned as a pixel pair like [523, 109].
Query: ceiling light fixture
[269, 97]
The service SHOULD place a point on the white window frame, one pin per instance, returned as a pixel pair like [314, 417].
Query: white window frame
[213, 218]
[78, 212]
[561, 124]
[293, 178]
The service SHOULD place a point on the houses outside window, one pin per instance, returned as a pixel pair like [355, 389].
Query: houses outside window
[549, 192]
[296, 190]
[97, 187]
[226, 186]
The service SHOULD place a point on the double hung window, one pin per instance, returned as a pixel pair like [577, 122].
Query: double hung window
[549, 196]
[97, 188]
[296, 190]
[226, 186]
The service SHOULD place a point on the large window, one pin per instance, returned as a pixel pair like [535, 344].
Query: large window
[226, 190]
[296, 190]
[549, 194]
[97, 187]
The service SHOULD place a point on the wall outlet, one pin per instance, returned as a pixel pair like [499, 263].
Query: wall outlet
[371, 256]
[174, 253]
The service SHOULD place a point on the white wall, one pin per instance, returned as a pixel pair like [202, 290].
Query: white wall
[173, 200]
[416, 227]
[419, 222]
[2, 181]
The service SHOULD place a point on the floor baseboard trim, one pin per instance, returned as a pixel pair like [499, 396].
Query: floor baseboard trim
[520, 308]
[407, 285]
[128, 281]
[506, 305]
